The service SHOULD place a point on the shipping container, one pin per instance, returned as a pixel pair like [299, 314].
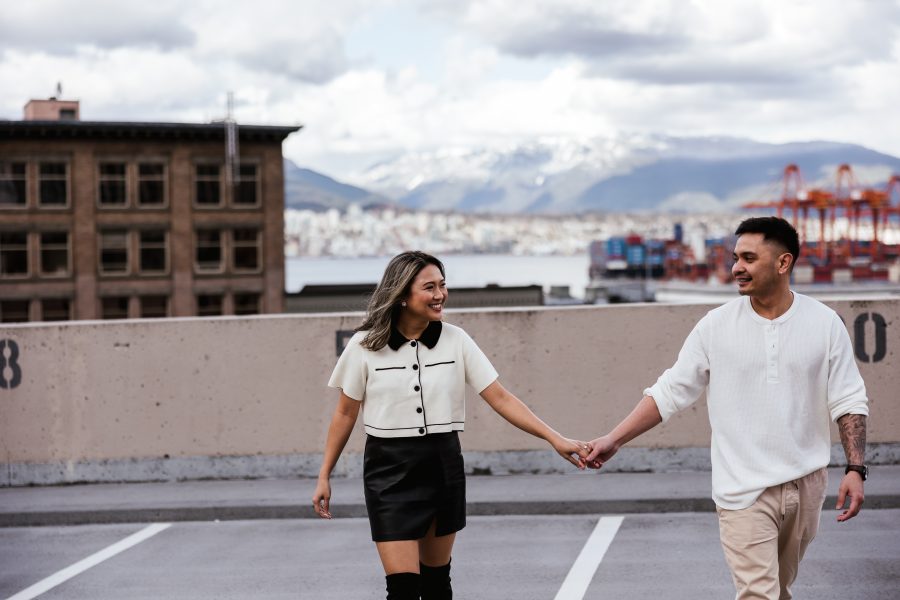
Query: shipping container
[822, 274]
[615, 247]
[635, 254]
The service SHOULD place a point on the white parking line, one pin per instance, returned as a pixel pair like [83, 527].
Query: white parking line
[582, 572]
[94, 559]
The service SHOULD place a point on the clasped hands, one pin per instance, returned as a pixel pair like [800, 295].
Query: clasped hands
[591, 454]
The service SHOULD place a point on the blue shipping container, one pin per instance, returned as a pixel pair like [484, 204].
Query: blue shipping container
[635, 255]
[615, 246]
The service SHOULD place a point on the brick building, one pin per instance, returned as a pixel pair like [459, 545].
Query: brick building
[104, 220]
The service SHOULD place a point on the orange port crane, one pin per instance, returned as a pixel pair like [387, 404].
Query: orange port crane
[870, 202]
[823, 202]
[845, 187]
[792, 184]
[853, 201]
[801, 199]
[890, 208]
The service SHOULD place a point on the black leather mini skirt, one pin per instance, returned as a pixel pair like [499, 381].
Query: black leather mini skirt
[411, 482]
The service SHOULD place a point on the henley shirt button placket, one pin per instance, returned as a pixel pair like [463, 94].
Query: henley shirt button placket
[772, 351]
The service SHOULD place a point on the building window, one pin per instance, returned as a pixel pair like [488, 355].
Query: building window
[114, 252]
[113, 188]
[54, 253]
[154, 307]
[151, 185]
[13, 311]
[246, 249]
[12, 184]
[13, 254]
[56, 309]
[209, 250]
[246, 304]
[114, 307]
[153, 248]
[67, 114]
[53, 184]
[209, 305]
[208, 186]
[247, 191]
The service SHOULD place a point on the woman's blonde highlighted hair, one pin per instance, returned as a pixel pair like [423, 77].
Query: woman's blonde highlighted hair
[384, 305]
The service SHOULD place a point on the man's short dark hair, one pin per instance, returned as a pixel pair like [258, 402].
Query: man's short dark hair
[773, 229]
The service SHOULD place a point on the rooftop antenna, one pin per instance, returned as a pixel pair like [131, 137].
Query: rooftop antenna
[58, 90]
[232, 153]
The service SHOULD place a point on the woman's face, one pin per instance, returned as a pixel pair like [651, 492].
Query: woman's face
[427, 295]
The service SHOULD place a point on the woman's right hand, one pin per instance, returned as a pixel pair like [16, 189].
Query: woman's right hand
[321, 498]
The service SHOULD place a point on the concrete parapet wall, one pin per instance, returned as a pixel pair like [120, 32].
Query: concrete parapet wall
[246, 397]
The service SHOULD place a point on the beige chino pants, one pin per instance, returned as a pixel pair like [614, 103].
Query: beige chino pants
[765, 542]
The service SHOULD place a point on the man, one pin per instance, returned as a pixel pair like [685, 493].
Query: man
[776, 366]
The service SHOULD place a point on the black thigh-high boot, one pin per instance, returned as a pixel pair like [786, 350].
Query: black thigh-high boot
[436, 582]
[403, 586]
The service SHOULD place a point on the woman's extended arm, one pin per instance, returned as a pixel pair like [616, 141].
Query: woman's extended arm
[342, 423]
[508, 406]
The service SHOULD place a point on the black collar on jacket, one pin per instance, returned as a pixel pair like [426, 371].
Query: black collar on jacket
[429, 337]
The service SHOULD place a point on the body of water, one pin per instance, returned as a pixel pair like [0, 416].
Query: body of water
[463, 270]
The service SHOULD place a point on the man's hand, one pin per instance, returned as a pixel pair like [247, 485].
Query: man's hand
[602, 449]
[573, 451]
[851, 485]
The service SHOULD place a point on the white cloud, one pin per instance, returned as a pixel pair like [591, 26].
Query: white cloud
[60, 26]
[745, 43]
[497, 71]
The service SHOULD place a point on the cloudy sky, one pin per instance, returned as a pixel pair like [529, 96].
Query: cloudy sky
[372, 79]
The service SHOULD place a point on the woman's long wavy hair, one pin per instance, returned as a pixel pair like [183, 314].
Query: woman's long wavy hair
[384, 305]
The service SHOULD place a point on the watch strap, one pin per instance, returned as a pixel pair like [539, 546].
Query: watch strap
[863, 470]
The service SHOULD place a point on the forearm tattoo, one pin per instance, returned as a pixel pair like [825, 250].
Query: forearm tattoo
[853, 437]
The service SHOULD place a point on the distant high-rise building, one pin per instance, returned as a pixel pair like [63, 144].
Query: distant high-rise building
[106, 220]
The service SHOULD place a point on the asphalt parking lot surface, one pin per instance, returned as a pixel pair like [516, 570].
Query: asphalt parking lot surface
[523, 557]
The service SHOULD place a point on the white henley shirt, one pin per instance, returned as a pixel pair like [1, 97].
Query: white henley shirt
[772, 386]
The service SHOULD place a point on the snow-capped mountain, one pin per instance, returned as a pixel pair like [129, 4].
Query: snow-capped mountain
[306, 189]
[626, 172]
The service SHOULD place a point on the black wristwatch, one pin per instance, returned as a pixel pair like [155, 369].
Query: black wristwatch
[863, 470]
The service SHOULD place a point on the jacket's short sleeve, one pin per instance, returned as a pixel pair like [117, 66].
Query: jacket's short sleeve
[480, 373]
[351, 371]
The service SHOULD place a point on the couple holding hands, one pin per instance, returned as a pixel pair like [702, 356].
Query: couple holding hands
[776, 366]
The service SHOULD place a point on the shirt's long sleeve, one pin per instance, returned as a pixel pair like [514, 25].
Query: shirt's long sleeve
[846, 389]
[680, 386]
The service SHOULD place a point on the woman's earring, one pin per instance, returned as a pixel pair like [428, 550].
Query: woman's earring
[403, 304]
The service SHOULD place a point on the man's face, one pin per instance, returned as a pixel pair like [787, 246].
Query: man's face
[758, 266]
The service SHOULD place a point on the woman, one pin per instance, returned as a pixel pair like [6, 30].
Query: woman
[409, 370]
